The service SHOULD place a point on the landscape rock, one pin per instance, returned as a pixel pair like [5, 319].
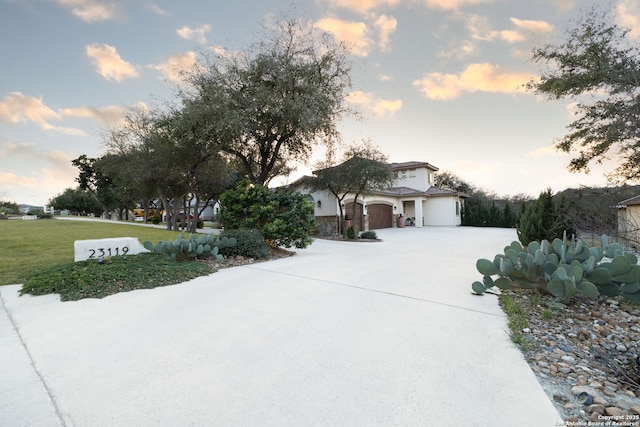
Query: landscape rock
[588, 346]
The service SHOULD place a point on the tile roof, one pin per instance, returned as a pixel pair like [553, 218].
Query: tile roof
[632, 201]
[412, 165]
[431, 192]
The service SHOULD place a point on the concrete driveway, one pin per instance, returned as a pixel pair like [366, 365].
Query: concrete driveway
[342, 334]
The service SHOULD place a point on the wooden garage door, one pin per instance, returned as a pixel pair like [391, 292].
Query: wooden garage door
[380, 216]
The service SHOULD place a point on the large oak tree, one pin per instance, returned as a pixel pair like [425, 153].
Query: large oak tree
[268, 106]
[598, 65]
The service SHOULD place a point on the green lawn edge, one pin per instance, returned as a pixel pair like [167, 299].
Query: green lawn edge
[26, 247]
[91, 279]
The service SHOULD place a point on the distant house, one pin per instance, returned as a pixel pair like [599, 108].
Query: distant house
[412, 201]
[629, 220]
[26, 208]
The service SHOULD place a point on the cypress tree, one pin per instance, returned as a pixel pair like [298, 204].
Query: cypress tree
[540, 220]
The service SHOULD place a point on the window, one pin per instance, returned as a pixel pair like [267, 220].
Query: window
[457, 208]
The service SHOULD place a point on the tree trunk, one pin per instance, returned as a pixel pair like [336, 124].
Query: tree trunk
[145, 206]
[165, 205]
[355, 222]
[174, 209]
[193, 223]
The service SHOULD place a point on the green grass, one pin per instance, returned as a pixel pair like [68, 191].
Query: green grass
[517, 321]
[89, 279]
[27, 247]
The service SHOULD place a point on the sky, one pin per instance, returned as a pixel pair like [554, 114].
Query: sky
[437, 81]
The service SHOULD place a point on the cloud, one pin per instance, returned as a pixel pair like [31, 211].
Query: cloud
[628, 16]
[90, 10]
[18, 108]
[177, 65]
[379, 107]
[354, 34]
[11, 179]
[32, 175]
[360, 36]
[198, 34]
[480, 29]
[109, 64]
[110, 115]
[535, 27]
[8, 149]
[384, 77]
[543, 151]
[459, 50]
[565, 5]
[385, 25]
[452, 4]
[157, 10]
[475, 78]
[362, 5]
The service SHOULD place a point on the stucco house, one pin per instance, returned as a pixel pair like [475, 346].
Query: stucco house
[629, 220]
[413, 200]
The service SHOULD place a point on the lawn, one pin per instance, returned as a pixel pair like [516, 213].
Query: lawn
[27, 247]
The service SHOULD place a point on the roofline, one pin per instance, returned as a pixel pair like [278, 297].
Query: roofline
[419, 193]
[412, 165]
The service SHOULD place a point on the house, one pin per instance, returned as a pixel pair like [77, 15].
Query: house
[24, 208]
[629, 220]
[412, 200]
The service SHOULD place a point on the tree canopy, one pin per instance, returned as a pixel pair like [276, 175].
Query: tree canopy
[163, 155]
[268, 106]
[364, 168]
[598, 65]
[542, 219]
[284, 217]
[76, 200]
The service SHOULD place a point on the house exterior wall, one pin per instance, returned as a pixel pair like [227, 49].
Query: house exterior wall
[441, 211]
[629, 223]
[433, 211]
[328, 202]
[420, 179]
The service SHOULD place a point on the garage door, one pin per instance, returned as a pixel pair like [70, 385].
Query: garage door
[380, 216]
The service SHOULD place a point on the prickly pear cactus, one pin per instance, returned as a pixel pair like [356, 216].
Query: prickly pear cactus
[563, 268]
[191, 247]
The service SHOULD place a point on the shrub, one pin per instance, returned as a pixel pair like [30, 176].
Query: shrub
[250, 244]
[351, 234]
[369, 235]
[541, 220]
[285, 218]
[156, 219]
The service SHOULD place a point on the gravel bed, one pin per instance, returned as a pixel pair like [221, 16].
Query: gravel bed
[585, 355]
